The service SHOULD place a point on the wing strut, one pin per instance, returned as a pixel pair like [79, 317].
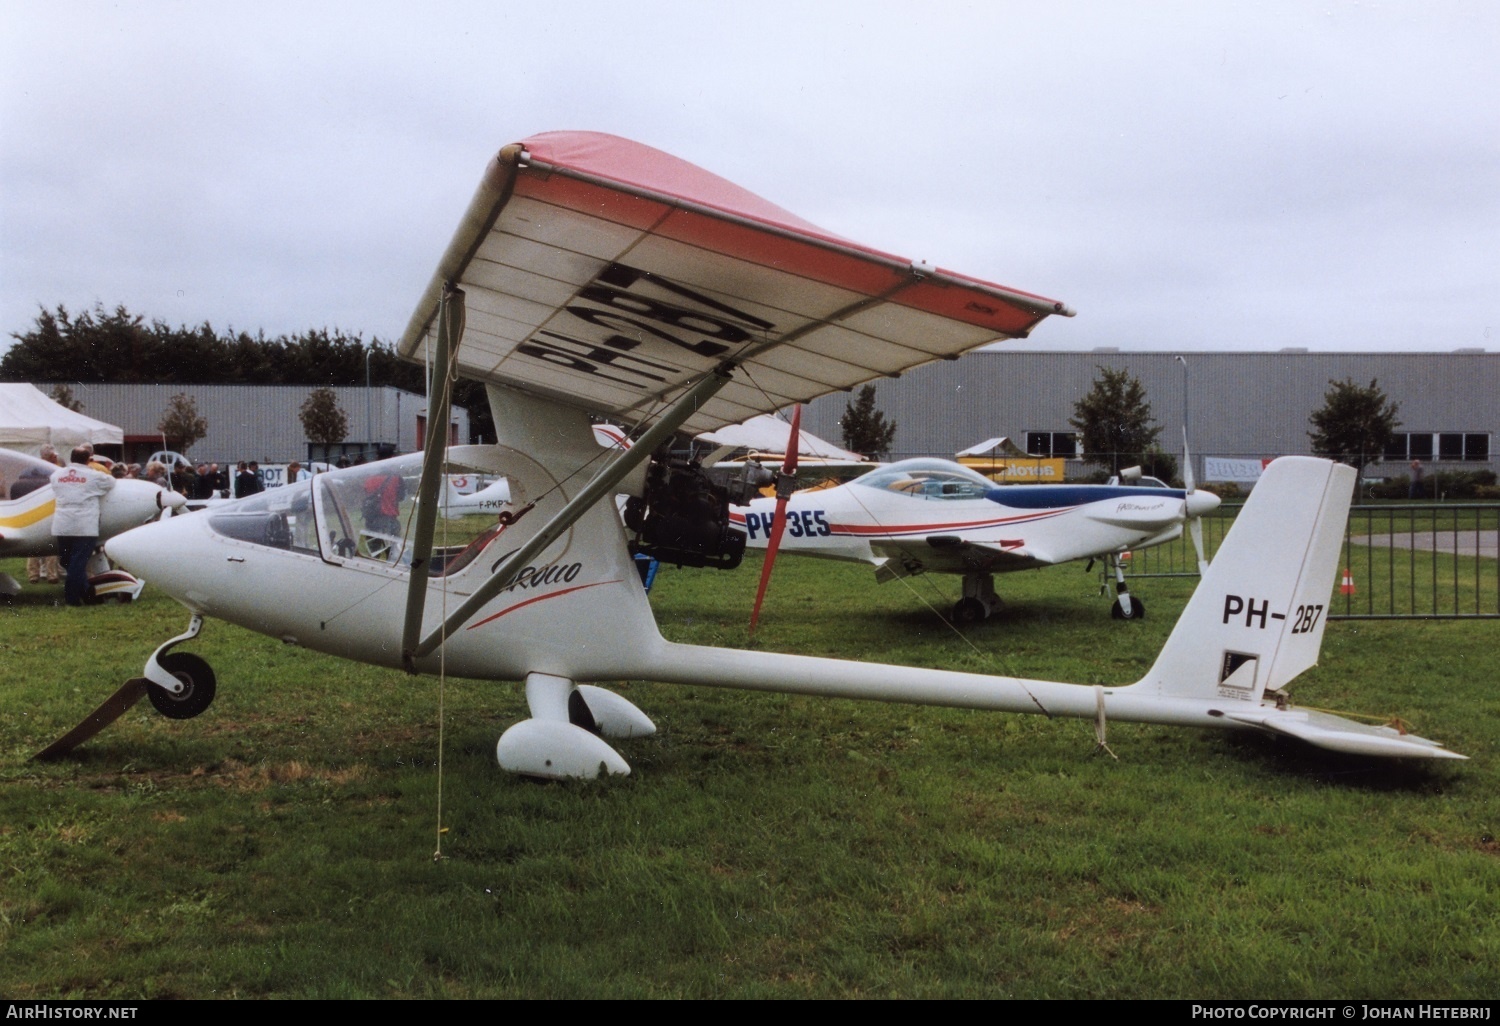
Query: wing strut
[440, 392]
[602, 483]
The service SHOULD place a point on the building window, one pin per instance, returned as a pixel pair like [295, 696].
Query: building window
[1060, 445]
[1447, 446]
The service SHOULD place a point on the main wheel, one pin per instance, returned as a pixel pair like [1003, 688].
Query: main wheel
[969, 610]
[199, 686]
[1137, 610]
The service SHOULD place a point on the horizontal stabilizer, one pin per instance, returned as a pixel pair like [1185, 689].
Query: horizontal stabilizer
[1337, 734]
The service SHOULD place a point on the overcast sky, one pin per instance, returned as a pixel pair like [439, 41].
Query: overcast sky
[1185, 175]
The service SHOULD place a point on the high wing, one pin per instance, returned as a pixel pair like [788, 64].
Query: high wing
[607, 275]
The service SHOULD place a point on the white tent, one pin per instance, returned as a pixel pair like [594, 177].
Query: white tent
[999, 447]
[769, 434]
[30, 420]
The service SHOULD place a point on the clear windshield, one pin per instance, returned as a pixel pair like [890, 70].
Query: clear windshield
[21, 474]
[367, 514]
[280, 518]
[927, 479]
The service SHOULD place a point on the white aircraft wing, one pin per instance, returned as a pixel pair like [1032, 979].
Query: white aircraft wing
[608, 275]
[952, 554]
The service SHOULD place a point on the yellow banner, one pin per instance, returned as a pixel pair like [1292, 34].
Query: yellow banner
[1016, 471]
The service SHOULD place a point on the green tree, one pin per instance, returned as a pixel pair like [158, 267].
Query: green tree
[1354, 424]
[865, 429]
[1115, 422]
[181, 424]
[116, 345]
[62, 395]
[323, 420]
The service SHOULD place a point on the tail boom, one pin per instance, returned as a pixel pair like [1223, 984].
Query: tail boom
[1254, 623]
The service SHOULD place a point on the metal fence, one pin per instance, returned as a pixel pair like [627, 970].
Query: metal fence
[1421, 560]
[1406, 561]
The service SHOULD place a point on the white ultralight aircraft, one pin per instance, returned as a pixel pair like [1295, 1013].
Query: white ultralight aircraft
[932, 515]
[26, 506]
[592, 274]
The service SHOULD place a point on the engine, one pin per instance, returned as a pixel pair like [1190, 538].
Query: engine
[682, 516]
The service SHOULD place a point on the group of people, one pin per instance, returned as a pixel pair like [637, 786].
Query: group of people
[79, 487]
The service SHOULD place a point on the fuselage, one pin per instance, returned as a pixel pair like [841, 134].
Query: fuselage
[931, 510]
[26, 506]
[325, 564]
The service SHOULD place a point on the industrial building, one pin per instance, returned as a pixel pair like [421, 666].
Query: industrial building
[1248, 405]
[262, 422]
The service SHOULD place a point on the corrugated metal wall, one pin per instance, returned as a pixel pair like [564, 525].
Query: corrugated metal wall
[1238, 404]
[261, 422]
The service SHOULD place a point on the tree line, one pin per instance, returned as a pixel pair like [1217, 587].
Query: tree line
[120, 347]
[116, 346]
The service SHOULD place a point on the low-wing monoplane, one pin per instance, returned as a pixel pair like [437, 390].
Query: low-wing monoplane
[26, 506]
[595, 275]
[935, 516]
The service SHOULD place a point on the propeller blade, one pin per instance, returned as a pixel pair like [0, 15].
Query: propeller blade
[1187, 464]
[1195, 528]
[793, 440]
[765, 571]
[784, 484]
[1195, 524]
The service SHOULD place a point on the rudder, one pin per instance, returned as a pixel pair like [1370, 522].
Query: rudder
[1256, 619]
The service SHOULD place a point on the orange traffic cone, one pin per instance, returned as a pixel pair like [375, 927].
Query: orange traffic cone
[1347, 586]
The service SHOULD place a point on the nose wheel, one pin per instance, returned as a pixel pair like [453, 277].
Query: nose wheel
[1126, 605]
[198, 686]
[179, 684]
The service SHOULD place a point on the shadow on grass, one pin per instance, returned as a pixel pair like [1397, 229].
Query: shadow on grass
[1287, 757]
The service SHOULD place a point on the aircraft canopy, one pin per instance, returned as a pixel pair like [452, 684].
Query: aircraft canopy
[608, 275]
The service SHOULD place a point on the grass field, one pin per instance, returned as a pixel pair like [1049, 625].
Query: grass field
[281, 845]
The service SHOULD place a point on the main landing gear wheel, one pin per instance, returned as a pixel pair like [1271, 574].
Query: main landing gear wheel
[199, 685]
[1137, 610]
[969, 610]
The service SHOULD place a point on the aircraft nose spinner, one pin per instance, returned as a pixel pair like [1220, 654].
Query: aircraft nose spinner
[136, 502]
[1201, 503]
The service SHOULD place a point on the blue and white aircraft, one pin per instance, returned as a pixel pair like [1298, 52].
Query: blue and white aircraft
[936, 516]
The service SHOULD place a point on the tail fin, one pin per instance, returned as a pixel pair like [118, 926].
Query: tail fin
[1256, 619]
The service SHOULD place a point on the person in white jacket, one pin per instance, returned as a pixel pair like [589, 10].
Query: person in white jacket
[77, 491]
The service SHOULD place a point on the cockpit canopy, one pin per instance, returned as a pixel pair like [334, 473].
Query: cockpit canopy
[359, 514]
[21, 475]
[927, 479]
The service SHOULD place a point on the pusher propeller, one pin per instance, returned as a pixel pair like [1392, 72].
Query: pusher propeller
[786, 480]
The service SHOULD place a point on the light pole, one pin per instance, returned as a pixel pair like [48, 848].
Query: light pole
[1186, 470]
